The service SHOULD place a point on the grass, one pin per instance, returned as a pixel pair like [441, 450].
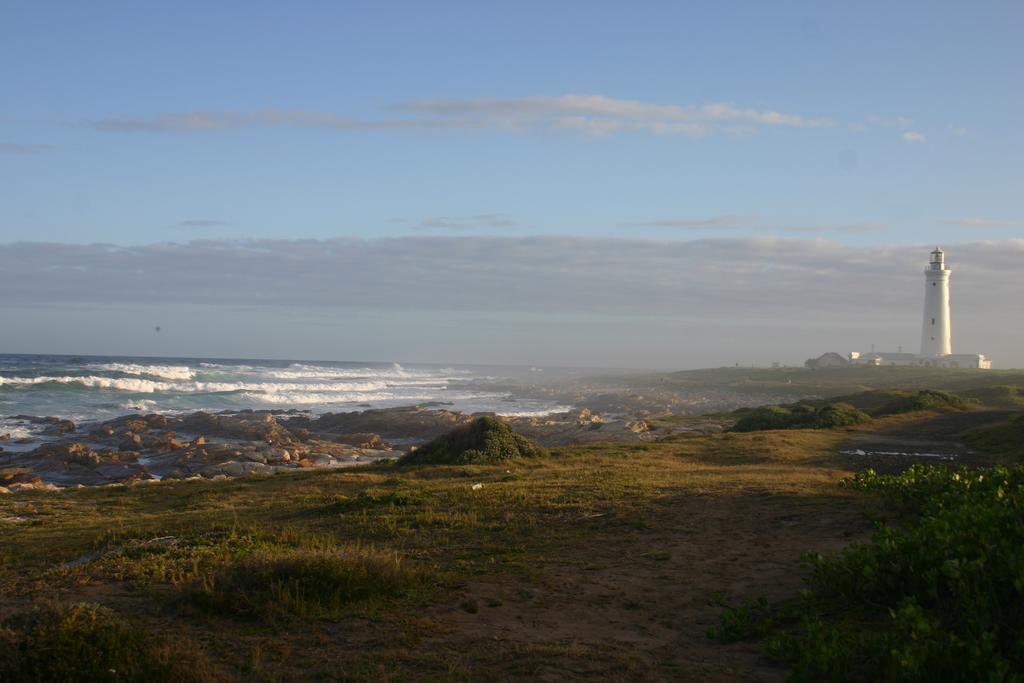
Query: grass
[596, 561]
[936, 597]
[90, 642]
[304, 584]
[824, 382]
[1004, 440]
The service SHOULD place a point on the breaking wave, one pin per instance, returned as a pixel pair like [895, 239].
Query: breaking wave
[148, 386]
[175, 372]
[101, 388]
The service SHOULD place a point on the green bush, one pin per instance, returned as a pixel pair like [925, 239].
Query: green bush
[999, 395]
[941, 598]
[839, 415]
[80, 642]
[928, 399]
[800, 416]
[485, 440]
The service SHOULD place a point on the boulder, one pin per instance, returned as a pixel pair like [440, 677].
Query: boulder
[59, 427]
[131, 442]
[360, 440]
[250, 426]
[390, 423]
[236, 469]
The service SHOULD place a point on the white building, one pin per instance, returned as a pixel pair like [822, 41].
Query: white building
[936, 331]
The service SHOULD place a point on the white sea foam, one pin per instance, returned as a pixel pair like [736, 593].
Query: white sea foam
[15, 431]
[177, 372]
[102, 388]
[147, 386]
[534, 413]
[308, 398]
[141, 404]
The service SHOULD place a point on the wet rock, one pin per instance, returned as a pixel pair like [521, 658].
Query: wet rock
[60, 427]
[391, 423]
[33, 486]
[637, 426]
[360, 440]
[13, 475]
[251, 426]
[319, 460]
[131, 442]
[237, 469]
[161, 442]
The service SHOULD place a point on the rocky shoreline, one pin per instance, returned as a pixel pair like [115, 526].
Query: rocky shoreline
[137, 448]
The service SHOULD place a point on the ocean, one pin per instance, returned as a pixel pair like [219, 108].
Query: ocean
[92, 388]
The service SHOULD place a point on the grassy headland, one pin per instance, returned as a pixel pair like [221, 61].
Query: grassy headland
[605, 560]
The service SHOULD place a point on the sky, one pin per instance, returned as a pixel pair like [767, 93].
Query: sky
[655, 184]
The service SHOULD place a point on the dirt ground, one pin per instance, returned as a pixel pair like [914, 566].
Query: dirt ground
[651, 594]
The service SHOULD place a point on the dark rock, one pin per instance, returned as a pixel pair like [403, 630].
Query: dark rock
[391, 423]
[161, 442]
[131, 442]
[59, 427]
[248, 425]
[361, 440]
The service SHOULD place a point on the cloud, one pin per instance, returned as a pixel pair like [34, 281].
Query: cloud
[592, 115]
[727, 221]
[732, 222]
[600, 115]
[200, 223]
[913, 136]
[721, 281]
[983, 222]
[481, 221]
[21, 149]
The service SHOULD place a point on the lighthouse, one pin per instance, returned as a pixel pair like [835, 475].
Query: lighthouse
[936, 339]
[935, 331]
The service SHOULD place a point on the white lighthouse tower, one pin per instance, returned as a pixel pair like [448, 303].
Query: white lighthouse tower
[936, 342]
[935, 332]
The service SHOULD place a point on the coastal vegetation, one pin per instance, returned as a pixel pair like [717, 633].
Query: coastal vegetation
[831, 382]
[848, 411]
[605, 559]
[935, 595]
[800, 416]
[484, 440]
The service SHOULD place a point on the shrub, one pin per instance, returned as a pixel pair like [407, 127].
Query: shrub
[310, 584]
[800, 416]
[485, 440]
[1002, 395]
[928, 399]
[941, 598]
[839, 415]
[81, 642]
